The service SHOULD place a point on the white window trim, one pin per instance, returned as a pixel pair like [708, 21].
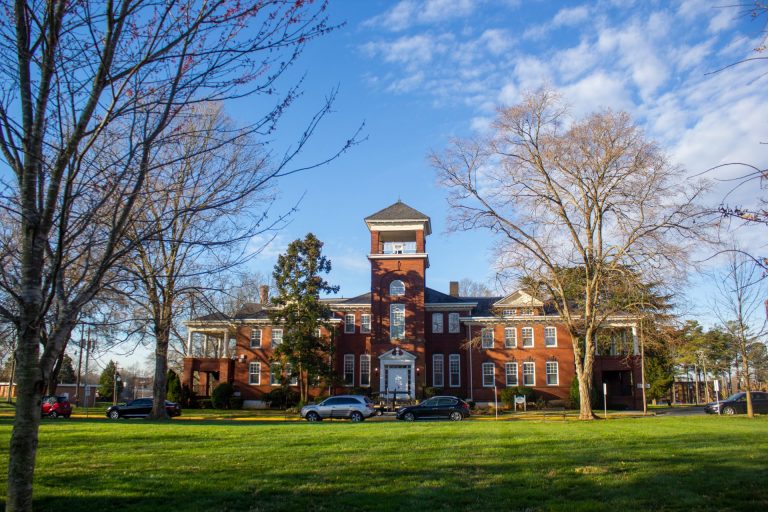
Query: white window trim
[349, 357]
[507, 374]
[507, 339]
[533, 337]
[436, 316]
[294, 381]
[454, 357]
[349, 328]
[556, 374]
[392, 320]
[250, 342]
[365, 357]
[365, 326]
[457, 323]
[545, 336]
[397, 294]
[438, 361]
[534, 374]
[272, 340]
[493, 374]
[483, 339]
[257, 365]
[272, 374]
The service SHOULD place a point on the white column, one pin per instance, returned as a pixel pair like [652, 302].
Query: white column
[205, 345]
[635, 346]
[189, 342]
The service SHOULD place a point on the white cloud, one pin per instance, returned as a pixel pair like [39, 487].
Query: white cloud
[571, 16]
[597, 91]
[408, 13]
[723, 19]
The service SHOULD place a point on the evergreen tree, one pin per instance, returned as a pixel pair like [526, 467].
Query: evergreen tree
[173, 382]
[298, 284]
[107, 381]
[67, 371]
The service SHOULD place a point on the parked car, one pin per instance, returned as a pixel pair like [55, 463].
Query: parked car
[55, 406]
[436, 407]
[353, 407]
[140, 408]
[737, 404]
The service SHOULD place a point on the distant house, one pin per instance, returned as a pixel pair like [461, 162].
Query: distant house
[403, 336]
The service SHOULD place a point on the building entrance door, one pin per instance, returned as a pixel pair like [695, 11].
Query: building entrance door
[397, 380]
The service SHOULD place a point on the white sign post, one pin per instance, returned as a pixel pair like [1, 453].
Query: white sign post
[520, 400]
[605, 400]
[717, 394]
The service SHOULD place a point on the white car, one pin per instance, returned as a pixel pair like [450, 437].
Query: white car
[353, 407]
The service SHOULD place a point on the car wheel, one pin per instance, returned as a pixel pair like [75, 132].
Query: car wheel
[53, 414]
[357, 417]
[115, 415]
[409, 416]
[455, 416]
[730, 411]
[313, 416]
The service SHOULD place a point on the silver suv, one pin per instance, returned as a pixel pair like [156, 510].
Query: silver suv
[354, 407]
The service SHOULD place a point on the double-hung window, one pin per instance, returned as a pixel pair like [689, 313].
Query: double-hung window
[274, 374]
[255, 338]
[254, 373]
[454, 326]
[488, 375]
[349, 323]
[550, 337]
[553, 377]
[510, 337]
[437, 323]
[510, 372]
[529, 374]
[277, 337]
[293, 380]
[486, 337]
[365, 370]
[454, 370]
[508, 312]
[396, 321]
[349, 369]
[527, 337]
[365, 324]
[438, 380]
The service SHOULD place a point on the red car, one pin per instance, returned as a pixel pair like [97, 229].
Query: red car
[55, 406]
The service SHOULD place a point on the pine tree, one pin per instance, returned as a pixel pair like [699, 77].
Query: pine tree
[107, 381]
[173, 393]
[67, 371]
[298, 284]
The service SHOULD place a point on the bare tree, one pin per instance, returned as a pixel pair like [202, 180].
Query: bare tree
[86, 89]
[592, 195]
[738, 307]
[470, 288]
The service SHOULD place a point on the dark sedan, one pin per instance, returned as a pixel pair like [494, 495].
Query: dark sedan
[436, 407]
[140, 408]
[737, 404]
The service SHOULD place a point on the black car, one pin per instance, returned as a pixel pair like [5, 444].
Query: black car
[436, 407]
[140, 408]
[737, 404]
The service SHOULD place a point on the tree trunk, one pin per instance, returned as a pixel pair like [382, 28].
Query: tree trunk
[584, 368]
[29, 388]
[160, 387]
[747, 386]
[696, 381]
[53, 377]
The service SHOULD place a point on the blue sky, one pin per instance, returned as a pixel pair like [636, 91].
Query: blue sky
[420, 72]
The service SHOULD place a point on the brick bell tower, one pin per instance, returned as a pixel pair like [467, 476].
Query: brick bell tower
[399, 262]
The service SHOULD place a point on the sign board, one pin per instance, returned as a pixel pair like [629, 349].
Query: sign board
[717, 385]
[605, 388]
[519, 399]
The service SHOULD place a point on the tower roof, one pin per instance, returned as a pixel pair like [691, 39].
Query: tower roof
[399, 212]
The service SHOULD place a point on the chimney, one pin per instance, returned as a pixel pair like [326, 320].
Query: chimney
[263, 294]
[453, 289]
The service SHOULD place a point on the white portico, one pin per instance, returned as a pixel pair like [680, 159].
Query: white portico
[397, 373]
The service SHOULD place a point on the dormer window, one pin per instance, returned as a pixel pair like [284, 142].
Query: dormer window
[397, 288]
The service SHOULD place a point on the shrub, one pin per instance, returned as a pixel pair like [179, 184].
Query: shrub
[528, 393]
[188, 397]
[508, 397]
[221, 395]
[574, 395]
[236, 403]
[429, 392]
[205, 403]
[282, 398]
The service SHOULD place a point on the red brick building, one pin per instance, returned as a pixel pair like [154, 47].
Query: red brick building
[403, 336]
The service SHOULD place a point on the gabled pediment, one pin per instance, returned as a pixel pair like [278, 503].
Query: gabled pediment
[518, 299]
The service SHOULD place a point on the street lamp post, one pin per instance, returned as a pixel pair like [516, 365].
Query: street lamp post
[114, 392]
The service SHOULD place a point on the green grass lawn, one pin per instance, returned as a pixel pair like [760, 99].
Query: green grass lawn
[685, 463]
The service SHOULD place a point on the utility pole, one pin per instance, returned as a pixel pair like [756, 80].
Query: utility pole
[78, 398]
[87, 353]
[115, 381]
